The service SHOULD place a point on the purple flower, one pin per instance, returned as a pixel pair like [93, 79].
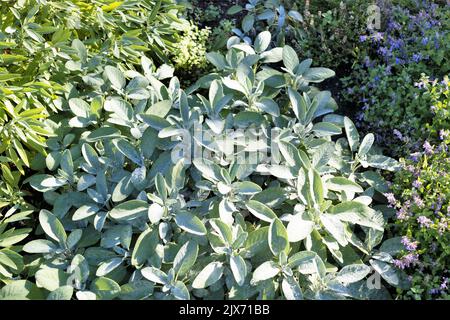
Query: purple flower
[417, 57]
[409, 245]
[418, 201]
[362, 38]
[424, 221]
[398, 134]
[417, 184]
[383, 51]
[434, 291]
[407, 261]
[443, 285]
[378, 36]
[402, 214]
[390, 198]
[428, 148]
[443, 134]
[398, 61]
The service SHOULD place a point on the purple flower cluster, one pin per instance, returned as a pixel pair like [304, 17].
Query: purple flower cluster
[427, 148]
[391, 199]
[403, 213]
[418, 201]
[443, 287]
[443, 134]
[417, 184]
[410, 259]
[409, 245]
[415, 156]
[424, 221]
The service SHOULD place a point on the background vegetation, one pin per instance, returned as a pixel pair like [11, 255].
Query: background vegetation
[94, 95]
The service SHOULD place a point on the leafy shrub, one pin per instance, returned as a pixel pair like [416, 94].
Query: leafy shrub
[421, 194]
[332, 35]
[327, 31]
[48, 44]
[262, 15]
[125, 221]
[190, 53]
[11, 262]
[438, 93]
[391, 61]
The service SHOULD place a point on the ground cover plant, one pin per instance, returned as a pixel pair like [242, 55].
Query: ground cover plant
[166, 149]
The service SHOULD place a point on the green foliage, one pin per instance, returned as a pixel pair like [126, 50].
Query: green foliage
[124, 215]
[260, 15]
[279, 197]
[190, 54]
[437, 91]
[331, 35]
[422, 191]
[11, 262]
[385, 81]
[47, 45]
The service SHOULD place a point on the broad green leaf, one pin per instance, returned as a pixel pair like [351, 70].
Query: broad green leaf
[352, 134]
[190, 223]
[40, 246]
[291, 289]
[180, 291]
[247, 22]
[51, 278]
[103, 133]
[335, 227]
[278, 237]
[52, 227]
[115, 76]
[105, 288]
[382, 162]
[353, 273]
[299, 228]
[366, 144]
[356, 213]
[307, 262]
[260, 210]
[318, 74]
[160, 109]
[145, 247]
[266, 270]
[391, 274]
[129, 210]
[246, 187]
[392, 245]
[290, 58]
[136, 290]
[84, 212]
[21, 290]
[239, 269]
[209, 275]
[257, 241]
[79, 107]
[185, 258]
[129, 151]
[343, 184]
[62, 293]
[108, 266]
[155, 275]
[262, 41]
